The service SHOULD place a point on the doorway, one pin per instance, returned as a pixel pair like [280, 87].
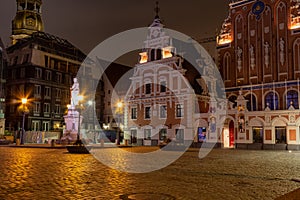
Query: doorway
[280, 135]
[133, 137]
[228, 135]
[257, 133]
[231, 134]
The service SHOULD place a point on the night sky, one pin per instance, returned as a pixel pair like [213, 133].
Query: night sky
[85, 23]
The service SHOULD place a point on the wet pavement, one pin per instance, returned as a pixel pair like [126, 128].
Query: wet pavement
[36, 173]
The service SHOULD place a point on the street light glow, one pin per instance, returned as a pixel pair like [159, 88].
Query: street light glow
[119, 104]
[24, 100]
[80, 97]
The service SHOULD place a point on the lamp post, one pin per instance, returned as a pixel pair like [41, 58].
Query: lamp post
[24, 101]
[92, 103]
[119, 111]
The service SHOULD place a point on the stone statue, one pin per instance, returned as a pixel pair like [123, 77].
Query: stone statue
[239, 58]
[252, 57]
[74, 93]
[267, 46]
[281, 51]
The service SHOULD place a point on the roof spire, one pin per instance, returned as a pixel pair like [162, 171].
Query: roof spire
[157, 9]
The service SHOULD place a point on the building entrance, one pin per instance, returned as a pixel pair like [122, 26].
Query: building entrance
[231, 134]
[257, 133]
[280, 134]
[133, 136]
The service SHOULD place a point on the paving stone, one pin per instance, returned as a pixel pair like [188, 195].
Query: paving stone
[36, 173]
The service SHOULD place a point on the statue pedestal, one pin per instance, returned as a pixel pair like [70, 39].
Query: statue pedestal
[72, 121]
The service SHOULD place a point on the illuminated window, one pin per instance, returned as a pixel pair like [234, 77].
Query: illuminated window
[133, 113]
[167, 53]
[47, 108]
[179, 110]
[35, 125]
[147, 112]
[46, 126]
[292, 99]
[37, 107]
[47, 92]
[143, 57]
[271, 100]
[57, 108]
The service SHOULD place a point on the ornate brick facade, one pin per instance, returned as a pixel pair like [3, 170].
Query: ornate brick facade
[259, 59]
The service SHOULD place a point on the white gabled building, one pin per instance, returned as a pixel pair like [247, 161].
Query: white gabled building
[166, 96]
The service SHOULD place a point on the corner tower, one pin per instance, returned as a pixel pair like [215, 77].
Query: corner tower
[28, 19]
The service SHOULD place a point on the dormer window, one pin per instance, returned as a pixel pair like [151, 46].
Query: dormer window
[143, 57]
[167, 53]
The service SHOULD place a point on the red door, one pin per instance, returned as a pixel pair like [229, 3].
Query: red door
[231, 133]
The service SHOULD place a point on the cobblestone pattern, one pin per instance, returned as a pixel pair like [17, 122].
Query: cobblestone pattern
[224, 174]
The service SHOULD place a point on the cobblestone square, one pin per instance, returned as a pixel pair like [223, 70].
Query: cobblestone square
[32, 173]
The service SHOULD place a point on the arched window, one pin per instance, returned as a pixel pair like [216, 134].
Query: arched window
[296, 54]
[292, 98]
[152, 55]
[271, 100]
[158, 54]
[232, 99]
[251, 103]
[226, 66]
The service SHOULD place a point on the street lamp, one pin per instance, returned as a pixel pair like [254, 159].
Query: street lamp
[119, 111]
[91, 103]
[24, 101]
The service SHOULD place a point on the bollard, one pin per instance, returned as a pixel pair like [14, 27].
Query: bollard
[18, 141]
[52, 143]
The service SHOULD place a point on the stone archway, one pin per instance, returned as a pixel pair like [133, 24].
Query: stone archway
[257, 130]
[279, 130]
[228, 133]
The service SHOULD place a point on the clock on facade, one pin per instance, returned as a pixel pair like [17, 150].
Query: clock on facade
[257, 8]
[30, 21]
[155, 33]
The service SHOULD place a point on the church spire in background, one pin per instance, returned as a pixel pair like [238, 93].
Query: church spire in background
[28, 19]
